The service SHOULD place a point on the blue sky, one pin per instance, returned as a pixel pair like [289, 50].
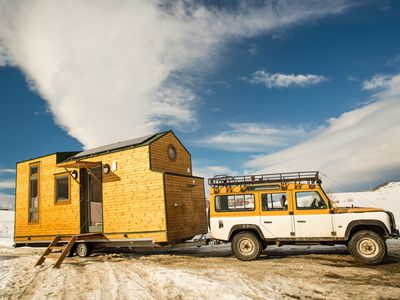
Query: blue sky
[241, 98]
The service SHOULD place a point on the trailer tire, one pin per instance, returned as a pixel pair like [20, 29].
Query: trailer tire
[367, 247]
[83, 250]
[246, 246]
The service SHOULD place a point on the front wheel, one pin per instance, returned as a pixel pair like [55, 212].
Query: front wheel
[246, 246]
[367, 247]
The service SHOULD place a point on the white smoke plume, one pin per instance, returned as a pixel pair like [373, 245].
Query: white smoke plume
[113, 70]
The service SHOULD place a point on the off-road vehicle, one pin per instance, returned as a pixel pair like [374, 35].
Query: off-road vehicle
[254, 211]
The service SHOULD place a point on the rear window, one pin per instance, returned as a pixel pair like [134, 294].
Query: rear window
[235, 202]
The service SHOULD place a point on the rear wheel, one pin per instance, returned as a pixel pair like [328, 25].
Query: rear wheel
[367, 247]
[246, 246]
[83, 250]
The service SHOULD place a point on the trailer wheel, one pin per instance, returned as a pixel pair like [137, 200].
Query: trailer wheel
[83, 250]
[367, 247]
[246, 246]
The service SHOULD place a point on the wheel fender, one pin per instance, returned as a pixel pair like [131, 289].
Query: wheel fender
[355, 223]
[245, 227]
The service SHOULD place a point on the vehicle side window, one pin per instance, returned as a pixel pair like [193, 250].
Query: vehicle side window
[234, 202]
[310, 200]
[274, 201]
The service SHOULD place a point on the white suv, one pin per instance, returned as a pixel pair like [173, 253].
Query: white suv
[254, 211]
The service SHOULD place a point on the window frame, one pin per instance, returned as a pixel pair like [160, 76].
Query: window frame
[30, 178]
[275, 209]
[56, 177]
[309, 208]
[235, 210]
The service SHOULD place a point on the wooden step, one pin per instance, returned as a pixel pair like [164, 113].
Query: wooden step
[65, 248]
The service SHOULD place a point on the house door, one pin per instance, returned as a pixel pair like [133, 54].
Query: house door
[91, 200]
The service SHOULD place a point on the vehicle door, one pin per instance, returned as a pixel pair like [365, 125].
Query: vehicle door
[276, 214]
[312, 216]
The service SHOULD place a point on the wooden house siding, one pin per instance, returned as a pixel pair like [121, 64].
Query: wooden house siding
[186, 206]
[159, 160]
[137, 198]
[53, 218]
[133, 196]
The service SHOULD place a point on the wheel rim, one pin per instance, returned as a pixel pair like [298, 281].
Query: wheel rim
[81, 250]
[368, 247]
[246, 246]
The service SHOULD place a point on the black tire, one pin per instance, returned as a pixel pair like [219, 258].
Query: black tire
[367, 247]
[83, 250]
[246, 246]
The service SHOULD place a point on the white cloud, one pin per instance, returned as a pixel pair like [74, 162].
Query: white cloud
[7, 184]
[3, 58]
[279, 80]
[7, 201]
[7, 171]
[378, 81]
[253, 137]
[394, 61]
[211, 171]
[113, 70]
[253, 49]
[358, 147]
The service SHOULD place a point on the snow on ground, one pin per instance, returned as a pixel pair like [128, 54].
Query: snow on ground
[387, 197]
[314, 272]
[6, 227]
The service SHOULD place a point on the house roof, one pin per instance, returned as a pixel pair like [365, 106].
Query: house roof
[137, 142]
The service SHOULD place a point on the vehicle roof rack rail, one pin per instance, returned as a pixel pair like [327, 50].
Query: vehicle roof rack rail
[310, 177]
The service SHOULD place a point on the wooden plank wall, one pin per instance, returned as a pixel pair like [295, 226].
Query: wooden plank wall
[61, 218]
[186, 206]
[133, 199]
[159, 156]
[133, 196]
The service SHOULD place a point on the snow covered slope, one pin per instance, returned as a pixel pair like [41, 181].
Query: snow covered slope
[387, 197]
[6, 227]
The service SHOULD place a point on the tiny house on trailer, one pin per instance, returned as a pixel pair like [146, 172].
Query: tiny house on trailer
[135, 193]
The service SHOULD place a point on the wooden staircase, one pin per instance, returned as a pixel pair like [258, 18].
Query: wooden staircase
[68, 244]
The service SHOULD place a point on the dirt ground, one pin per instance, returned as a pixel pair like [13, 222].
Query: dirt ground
[306, 272]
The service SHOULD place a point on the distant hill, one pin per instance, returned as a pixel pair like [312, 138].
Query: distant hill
[387, 184]
[6, 202]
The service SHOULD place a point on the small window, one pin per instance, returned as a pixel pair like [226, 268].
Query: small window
[62, 188]
[274, 201]
[310, 200]
[33, 212]
[171, 151]
[234, 202]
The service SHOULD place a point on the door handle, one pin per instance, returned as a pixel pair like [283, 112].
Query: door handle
[267, 222]
[301, 221]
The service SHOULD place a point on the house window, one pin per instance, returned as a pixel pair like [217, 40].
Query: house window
[234, 202]
[277, 201]
[171, 151]
[33, 213]
[62, 188]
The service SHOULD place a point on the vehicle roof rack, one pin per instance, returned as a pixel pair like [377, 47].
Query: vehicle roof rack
[310, 177]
